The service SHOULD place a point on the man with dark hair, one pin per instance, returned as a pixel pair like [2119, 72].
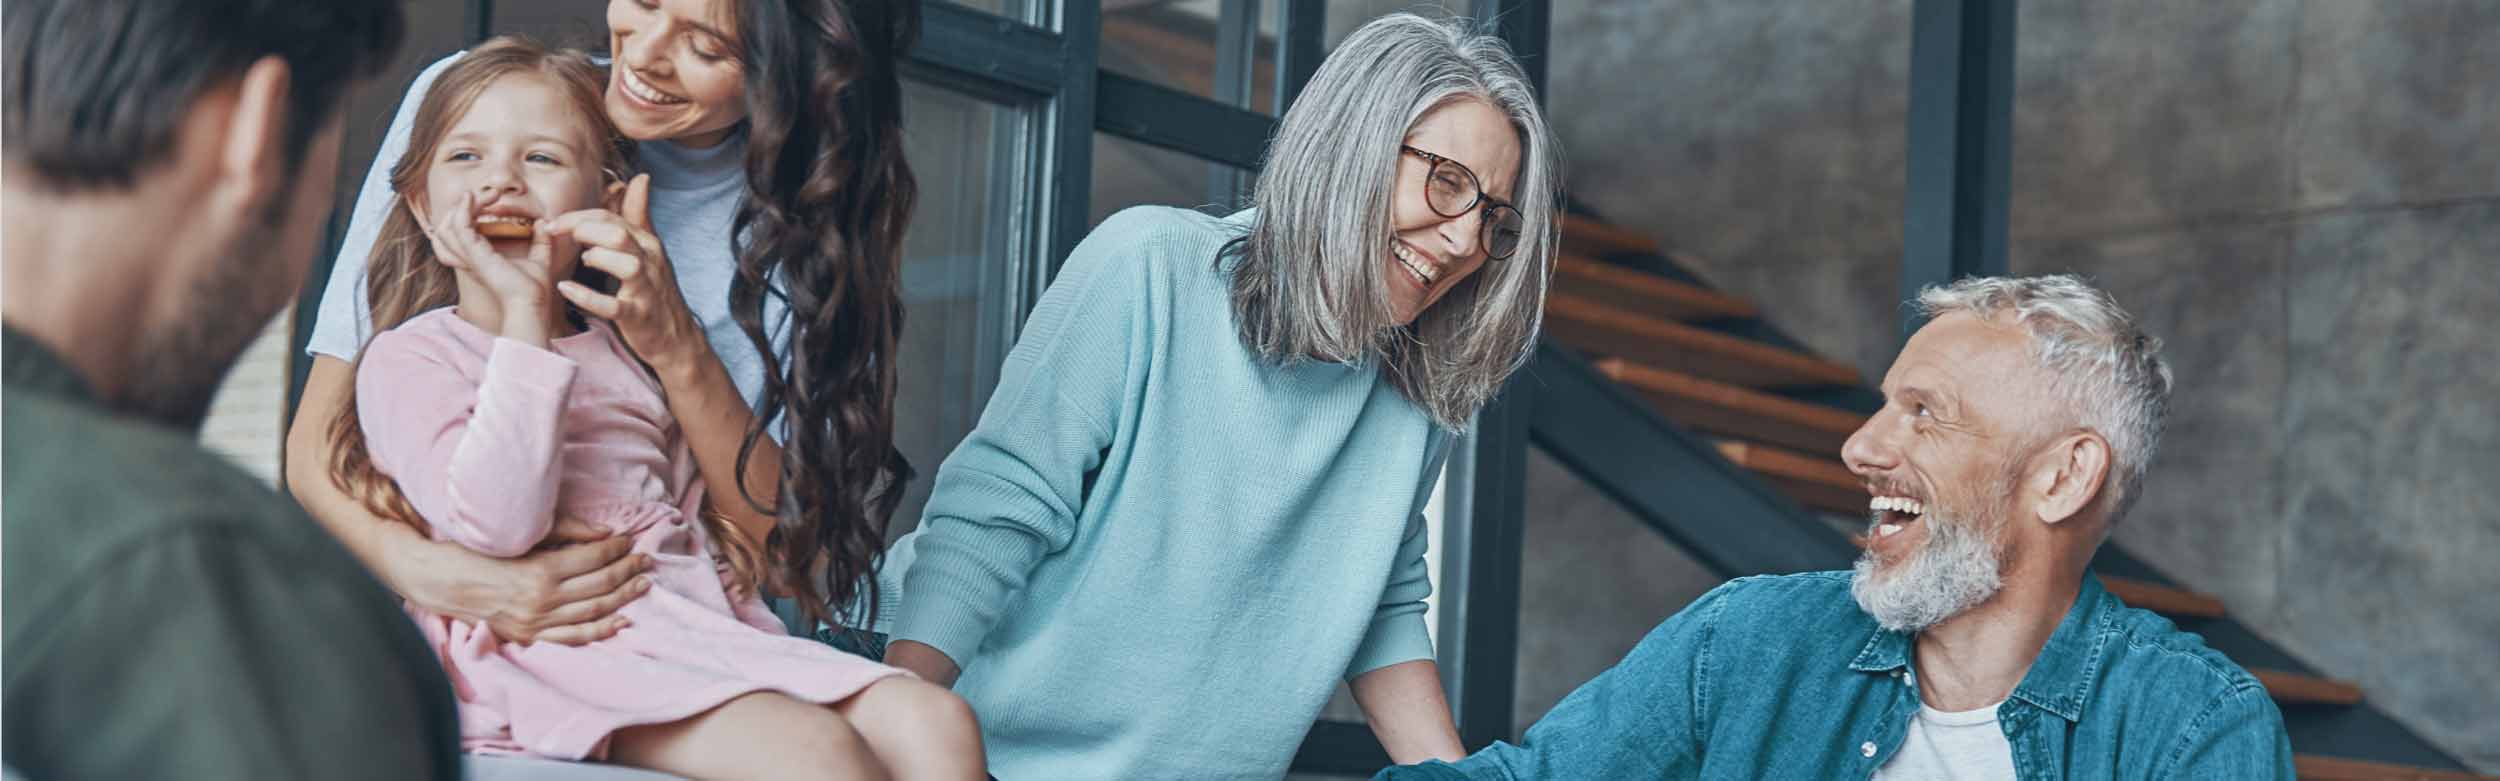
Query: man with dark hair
[167, 164]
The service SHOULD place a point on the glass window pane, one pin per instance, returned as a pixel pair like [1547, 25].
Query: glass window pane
[967, 154]
[1176, 43]
[1128, 173]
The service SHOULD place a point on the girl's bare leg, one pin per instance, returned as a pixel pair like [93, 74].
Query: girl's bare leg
[921, 731]
[761, 736]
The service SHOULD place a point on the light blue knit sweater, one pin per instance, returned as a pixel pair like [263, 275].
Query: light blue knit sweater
[1156, 554]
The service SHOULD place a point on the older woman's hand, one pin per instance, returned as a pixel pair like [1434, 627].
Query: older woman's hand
[568, 591]
[647, 308]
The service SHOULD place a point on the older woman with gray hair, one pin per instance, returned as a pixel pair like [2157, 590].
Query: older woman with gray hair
[1195, 501]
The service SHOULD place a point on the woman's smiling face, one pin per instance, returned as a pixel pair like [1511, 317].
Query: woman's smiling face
[1429, 253]
[676, 74]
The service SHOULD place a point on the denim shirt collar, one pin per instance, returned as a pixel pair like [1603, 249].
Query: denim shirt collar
[2060, 679]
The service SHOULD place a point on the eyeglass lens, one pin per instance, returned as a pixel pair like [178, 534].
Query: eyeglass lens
[1451, 191]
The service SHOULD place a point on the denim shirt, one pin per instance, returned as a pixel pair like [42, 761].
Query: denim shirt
[1785, 677]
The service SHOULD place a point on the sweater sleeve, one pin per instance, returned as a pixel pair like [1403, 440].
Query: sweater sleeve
[345, 318]
[479, 460]
[1011, 493]
[1397, 633]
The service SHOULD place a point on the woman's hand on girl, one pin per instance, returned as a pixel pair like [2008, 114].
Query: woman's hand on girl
[567, 592]
[647, 308]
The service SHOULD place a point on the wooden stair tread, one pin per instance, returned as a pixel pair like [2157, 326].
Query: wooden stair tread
[1597, 238]
[1597, 328]
[2312, 767]
[1643, 292]
[2166, 600]
[2290, 688]
[1790, 465]
[1818, 483]
[1732, 411]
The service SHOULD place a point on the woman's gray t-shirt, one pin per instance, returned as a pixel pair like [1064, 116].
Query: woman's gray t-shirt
[694, 198]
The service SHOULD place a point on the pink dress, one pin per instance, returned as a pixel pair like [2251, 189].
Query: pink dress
[491, 440]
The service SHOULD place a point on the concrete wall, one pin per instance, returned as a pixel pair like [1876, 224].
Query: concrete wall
[2303, 198]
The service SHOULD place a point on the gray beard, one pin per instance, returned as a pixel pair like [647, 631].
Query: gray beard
[1954, 570]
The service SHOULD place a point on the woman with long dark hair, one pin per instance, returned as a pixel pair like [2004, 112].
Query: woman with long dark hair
[755, 272]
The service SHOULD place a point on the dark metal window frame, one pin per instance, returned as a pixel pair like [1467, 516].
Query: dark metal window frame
[1960, 144]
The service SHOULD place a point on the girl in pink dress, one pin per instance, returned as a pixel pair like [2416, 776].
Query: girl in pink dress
[487, 409]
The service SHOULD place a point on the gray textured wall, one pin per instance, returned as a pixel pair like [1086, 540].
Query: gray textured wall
[2302, 197]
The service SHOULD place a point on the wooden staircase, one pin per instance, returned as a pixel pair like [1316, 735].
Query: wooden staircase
[1659, 337]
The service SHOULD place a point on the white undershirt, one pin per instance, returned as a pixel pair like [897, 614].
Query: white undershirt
[1954, 745]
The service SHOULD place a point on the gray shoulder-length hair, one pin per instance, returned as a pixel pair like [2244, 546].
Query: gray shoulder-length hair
[1309, 279]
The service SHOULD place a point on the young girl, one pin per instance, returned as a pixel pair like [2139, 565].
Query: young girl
[488, 410]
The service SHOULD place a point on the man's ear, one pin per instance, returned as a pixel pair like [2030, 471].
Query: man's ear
[251, 160]
[2069, 475]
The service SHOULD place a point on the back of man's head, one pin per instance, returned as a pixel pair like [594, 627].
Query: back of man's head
[97, 89]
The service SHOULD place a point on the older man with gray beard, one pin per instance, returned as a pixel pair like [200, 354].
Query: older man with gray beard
[1972, 640]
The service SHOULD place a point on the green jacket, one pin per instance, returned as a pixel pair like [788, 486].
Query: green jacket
[170, 616]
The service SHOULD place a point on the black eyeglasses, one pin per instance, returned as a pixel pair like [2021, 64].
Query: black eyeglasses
[1452, 190]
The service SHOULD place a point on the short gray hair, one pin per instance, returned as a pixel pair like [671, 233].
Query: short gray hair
[1310, 279]
[2096, 358]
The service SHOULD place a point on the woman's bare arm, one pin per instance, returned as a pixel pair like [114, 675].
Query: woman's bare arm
[651, 314]
[1408, 713]
[568, 594]
[714, 417]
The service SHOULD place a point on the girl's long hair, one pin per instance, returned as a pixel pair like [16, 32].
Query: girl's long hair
[821, 227]
[402, 277]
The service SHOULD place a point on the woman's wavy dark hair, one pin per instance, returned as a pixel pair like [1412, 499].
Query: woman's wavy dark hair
[828, 196]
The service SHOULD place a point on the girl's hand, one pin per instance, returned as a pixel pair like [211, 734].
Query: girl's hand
[647, 308]
[521, 287]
